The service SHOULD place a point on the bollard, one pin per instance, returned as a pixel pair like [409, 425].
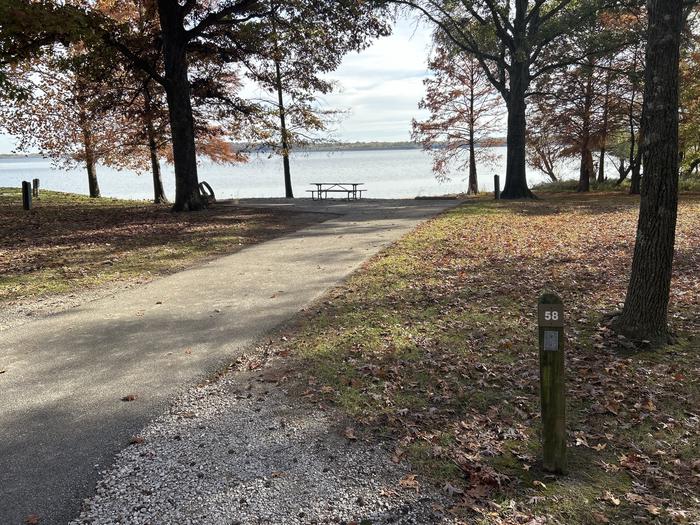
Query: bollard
[26, 195]
[552, 395]
[35, 188]
[497, 187]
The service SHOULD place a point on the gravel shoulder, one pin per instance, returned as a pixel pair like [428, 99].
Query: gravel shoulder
[242, 450]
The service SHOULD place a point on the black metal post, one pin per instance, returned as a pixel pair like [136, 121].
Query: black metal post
[26, 195]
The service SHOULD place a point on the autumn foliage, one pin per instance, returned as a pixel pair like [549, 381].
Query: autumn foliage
[464, 115]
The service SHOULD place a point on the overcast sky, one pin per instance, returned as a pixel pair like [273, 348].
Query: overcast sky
[380, 87]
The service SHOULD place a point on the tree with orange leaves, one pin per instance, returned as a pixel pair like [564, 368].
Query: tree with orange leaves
[464, 111]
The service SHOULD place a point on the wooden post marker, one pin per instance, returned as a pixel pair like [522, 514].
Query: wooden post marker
[550, 311]
[497, 187]
[35, 188]
[26, 195]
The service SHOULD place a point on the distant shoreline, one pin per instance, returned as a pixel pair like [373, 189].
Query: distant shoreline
[314, 148]
[10, 156]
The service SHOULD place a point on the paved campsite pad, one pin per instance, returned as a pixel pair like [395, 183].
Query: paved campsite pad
[62, 417]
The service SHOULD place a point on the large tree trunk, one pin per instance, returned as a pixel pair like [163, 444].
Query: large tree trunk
[288, 191]
[158, 191]
[601, 165]
[646, 306]
[90, 162]
[177, 88]
[516, 180]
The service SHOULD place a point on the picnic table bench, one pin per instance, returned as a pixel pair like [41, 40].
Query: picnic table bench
[350, 189]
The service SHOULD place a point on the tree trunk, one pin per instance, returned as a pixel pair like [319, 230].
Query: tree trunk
[586, 170]
[177, 88]
[636, 178]
[473, 187]
[92, 179]
[288, 191]
[90, 162]
[158, 191]
[645, 312]
[516, 179]
[604, 130]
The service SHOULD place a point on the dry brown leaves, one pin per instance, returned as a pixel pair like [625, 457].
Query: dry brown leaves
[454, 367]
[77, 238]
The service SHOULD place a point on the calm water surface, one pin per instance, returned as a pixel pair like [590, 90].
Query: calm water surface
[386, 174]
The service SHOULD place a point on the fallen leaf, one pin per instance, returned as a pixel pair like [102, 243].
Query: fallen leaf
[452, 490]
[129, 397]
[350, 434]
[610, 497]
[32, 519]
[409, 481]
[136, 440]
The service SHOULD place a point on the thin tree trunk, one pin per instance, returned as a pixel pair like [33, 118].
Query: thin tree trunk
[605, 131]
[586, 170]
[636, 178]
[634, 157]
[90, 162]
[158, 191]
[473, 187]
[646, 306]
[177, 88]
[288, 191]
[516, 179]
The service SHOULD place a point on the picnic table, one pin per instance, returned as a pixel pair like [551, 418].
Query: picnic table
[350, 189]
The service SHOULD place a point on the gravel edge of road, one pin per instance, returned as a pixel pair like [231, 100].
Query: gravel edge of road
[240, 449]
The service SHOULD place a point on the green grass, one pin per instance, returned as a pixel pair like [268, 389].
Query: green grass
[685, 185]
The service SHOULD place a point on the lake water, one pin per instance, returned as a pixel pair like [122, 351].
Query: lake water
[385, 173]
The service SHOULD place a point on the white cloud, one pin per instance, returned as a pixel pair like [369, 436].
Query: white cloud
[382, 85]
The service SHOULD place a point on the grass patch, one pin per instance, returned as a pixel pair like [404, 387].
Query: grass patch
[433, 345]
[72, 242]
[685, 185]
